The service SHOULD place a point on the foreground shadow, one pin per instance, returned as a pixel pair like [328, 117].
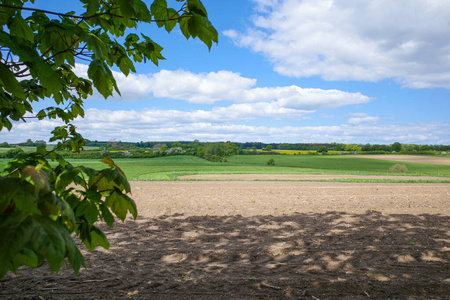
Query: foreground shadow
[303, 256]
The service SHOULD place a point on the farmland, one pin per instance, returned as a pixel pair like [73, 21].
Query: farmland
[269, 238]
[173, 167]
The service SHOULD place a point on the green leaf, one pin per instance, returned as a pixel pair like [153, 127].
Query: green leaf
[126, 8]
[38, 178]
[48, 77]
[131, 205]
[59, 133]
[95, 44]
[108, 161]
[92, 7]
[20, 28]
[61, 161]
[17, 193]
[77, 110]
[5, 16]
[66, 178]
[9, 82]
[142, 11]
[196, 6]
[41, 149]
[172, 13]
[159, 11]
[89, 210]
[106, 215]
[96, 237]
[93, 195]
[48, 240]
[118, 204]
[200, 27]
[184, 26]
[15, 232]
[74, 255]
[102, 78]
[88, 171]
[25, 257]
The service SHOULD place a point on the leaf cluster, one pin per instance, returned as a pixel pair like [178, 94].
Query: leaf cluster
[43, 204]
[38, 53]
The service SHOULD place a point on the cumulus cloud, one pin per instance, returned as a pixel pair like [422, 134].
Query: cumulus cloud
[208, 88]
[157, 117]
[360, 118]
[406, 40]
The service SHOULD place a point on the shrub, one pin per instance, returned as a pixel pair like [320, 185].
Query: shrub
[271, 162]
[11, 153]
[398, 168]
[322, 150]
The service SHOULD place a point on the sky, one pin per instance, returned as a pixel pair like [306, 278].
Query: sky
[284, 71]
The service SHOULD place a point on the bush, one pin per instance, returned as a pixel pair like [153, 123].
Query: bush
[11, 153]
[398, 168]
[271, 162]
[322, 150]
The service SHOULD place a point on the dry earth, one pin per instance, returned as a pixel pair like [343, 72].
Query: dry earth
[265, 240]
[303, 177]
[438, 160]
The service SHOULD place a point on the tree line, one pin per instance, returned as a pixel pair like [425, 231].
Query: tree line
[218, 151]
[397, 147]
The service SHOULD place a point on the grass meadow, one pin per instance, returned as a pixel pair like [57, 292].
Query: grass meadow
[170, 167]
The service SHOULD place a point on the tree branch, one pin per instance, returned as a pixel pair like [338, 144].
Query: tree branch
[84, 17]
[51, 12]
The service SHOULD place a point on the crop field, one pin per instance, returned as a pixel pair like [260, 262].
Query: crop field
[339, 165]
[172, 167]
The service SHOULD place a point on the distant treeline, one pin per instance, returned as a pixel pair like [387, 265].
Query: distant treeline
[218, 151]
[252, 145]
[344, 147]
[283, 146]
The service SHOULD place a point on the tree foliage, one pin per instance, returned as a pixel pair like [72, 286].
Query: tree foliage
[42, 204]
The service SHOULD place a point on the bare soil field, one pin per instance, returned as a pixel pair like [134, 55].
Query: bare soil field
[302, 177]
[264, 240]
[438, 160]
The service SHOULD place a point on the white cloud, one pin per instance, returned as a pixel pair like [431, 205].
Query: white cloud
[199, 88]
[151, 125]
[166, 118]
[212, 87]
[406, 40]
[359, 120]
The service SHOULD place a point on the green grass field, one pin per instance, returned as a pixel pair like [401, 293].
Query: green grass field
[340, 165]
[169, 168]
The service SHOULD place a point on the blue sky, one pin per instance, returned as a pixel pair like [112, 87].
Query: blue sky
[349, 71]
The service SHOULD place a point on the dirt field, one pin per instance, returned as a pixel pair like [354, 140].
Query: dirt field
[265, 240]
[438, 160]
[300, 177]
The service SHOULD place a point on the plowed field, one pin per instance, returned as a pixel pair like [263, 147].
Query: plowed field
[265, 240]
